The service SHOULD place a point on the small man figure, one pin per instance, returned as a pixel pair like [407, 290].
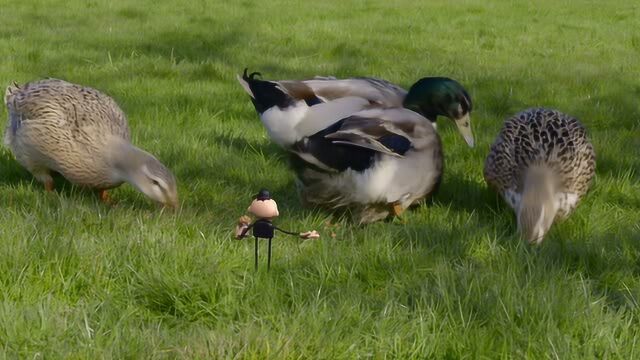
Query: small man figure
[265, 209]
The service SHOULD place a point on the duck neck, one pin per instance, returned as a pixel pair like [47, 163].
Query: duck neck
[126, 160]
[537, 208]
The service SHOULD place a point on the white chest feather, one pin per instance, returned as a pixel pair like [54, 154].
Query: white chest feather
[378, 180]
[281, 124]
[565, 203]
[376, 184]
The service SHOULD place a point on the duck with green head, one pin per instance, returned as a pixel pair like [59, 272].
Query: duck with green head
[430, 97]
[441, 96]
[360, 143]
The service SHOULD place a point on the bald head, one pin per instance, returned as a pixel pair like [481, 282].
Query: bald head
[264, 209]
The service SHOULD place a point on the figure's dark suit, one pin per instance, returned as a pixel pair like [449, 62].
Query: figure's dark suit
[263, 229]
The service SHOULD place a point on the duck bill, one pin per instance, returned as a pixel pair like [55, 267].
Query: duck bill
[464, 126]
[172, 204]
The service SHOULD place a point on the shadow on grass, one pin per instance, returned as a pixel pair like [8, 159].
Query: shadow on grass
[241, 145]
[12, 172]
[462, 193]
[613, 166]
[13, 175]
[608, 261]
[621, 106]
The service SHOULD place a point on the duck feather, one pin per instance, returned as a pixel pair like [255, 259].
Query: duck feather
[376, 91]
[543, 141]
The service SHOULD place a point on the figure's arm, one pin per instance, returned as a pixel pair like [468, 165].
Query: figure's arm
[285, 231]
[244, 232]
[305, 235]
[243, 227]
[310, 235]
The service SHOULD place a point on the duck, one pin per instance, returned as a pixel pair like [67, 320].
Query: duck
[55, 126]
[352, 152]
[542, 164]
[430, 97]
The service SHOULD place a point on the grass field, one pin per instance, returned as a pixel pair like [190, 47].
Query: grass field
[80, 279]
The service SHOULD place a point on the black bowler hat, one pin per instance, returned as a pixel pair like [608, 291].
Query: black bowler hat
[263, 194]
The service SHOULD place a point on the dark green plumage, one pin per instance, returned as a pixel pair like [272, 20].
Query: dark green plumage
[433, 96]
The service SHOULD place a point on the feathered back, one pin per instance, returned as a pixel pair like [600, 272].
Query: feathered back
[8, 94]
[14, 119]
[541, 136]
[542, 164]
[81, 109]
[64, 127]
[376, 91]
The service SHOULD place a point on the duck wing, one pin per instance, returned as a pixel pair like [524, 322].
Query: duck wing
[376, 91]
[323, 115]
[354, 141]
[372, 133]
[72, 107]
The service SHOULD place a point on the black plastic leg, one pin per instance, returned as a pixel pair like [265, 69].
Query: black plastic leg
[269, 256]
[256, 254]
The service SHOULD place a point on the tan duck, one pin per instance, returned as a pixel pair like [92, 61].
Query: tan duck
[542, 164]
[82, 134]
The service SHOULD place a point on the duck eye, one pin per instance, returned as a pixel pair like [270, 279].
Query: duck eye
[155, 182]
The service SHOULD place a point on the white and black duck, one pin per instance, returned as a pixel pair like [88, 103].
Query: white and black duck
[430, 96]
[354, 150]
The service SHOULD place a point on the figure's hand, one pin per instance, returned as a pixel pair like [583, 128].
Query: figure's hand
[310, 235]
[243, 223]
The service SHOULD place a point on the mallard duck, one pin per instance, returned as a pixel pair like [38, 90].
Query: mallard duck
[351, 152]
[83, 135]
[430, 96]
[542, 164]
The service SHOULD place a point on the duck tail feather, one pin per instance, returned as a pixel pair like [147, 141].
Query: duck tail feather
[10, 92]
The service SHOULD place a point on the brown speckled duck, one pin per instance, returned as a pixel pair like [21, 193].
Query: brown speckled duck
[83, 135]
[542, 164]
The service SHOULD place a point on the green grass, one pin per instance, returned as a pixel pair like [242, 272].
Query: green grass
[83, 280]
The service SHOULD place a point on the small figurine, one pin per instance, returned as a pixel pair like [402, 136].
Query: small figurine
[265, 209]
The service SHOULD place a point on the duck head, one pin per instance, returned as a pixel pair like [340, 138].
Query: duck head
[153, 179]
[144, 172]
[433, 96]
[264, 94]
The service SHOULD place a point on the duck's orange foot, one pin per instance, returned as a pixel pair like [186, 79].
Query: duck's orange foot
[105, 198]
[328, 223]
[397, 209]
[48, 185]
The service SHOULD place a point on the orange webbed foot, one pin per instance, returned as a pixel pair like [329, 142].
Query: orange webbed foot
[105, 198]
[49, 186]
[397, 209]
